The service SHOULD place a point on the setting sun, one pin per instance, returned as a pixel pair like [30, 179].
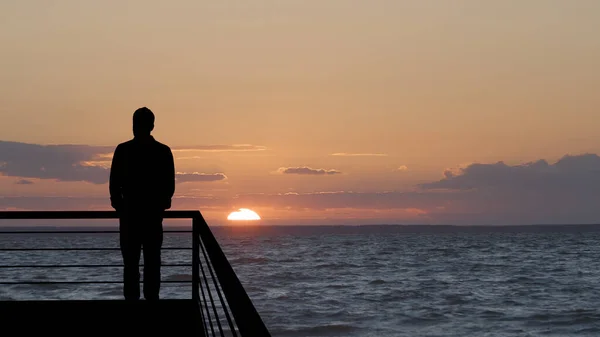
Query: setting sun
[243, 214]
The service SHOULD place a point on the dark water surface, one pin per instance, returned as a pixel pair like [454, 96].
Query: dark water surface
[376, 281]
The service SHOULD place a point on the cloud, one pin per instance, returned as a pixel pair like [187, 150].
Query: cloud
[307, 171]
[567, 191]
[24, 182]
[59, 162]
[572, 174]
[199, 177]
[43, 203]
[219, 148]
[343, 154]
[402, 168]
[69, 163]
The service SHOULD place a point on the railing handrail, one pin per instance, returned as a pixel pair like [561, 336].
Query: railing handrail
[247, 319]
[59, 215]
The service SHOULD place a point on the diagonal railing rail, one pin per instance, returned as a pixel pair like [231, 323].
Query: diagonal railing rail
[225, 307]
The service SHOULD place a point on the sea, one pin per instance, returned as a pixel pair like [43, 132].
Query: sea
[388, 280]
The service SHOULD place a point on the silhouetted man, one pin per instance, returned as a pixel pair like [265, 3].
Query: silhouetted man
[142, 183]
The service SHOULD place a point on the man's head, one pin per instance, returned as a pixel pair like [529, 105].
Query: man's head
[143, 122]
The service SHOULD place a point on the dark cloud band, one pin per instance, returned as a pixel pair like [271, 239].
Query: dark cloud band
[70, 163]
[199, 177]
[307, 171]
[59, 162]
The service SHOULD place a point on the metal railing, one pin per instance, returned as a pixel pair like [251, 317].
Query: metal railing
[225, 307]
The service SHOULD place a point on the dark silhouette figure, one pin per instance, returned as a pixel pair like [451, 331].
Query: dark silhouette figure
[142, 184]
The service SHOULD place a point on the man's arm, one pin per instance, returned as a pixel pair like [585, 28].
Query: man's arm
[116, 180]
[170, 178]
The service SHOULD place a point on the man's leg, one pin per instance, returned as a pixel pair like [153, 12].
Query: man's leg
[130, 250]
[153, 239]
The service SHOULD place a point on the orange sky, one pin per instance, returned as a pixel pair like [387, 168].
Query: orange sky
[414, 87]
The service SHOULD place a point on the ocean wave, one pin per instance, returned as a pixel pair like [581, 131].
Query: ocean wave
[179, 277]
[277, 294]
[571, 317]
[320, 330]
[336, 265]
[491, 314]
[406, 295]
[590, 331]
[249, 260]
[337, 285]
[377, 282]
[456, 299]
[112, 292]
[289, 260]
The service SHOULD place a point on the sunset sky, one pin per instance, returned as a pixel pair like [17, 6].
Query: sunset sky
[310, 112]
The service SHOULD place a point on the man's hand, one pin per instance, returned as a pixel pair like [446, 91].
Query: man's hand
[117, 205]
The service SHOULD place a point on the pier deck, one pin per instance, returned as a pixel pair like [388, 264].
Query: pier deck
[101, 318]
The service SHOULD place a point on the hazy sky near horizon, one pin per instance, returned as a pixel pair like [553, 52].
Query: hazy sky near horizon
[347, 109]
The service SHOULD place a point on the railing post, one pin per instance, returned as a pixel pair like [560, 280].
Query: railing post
[195, 259]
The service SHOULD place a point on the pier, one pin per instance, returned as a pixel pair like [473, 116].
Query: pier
[218, 303]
